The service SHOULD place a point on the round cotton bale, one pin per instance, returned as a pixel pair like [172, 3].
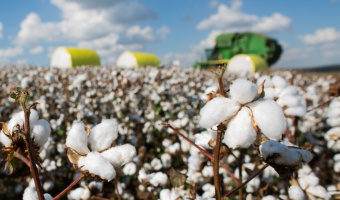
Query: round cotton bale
[246, 64]
[130, 59]
[68, 57]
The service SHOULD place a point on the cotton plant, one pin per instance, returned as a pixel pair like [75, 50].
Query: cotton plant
[94, 152]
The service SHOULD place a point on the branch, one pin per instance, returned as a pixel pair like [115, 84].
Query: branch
[220, 131]
[249, 179]
[62, 193]
[188, 140]
[28, 143]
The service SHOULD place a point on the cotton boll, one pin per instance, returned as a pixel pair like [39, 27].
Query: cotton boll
[318, 191]
[269, 117]
[77, 138]
[209, 191]
[96, 164]
[41, 132]
[130, 169]
[19, 118]
[268, 197]
[269, 93]
[279, 82]
[299, 111]
[165, 194]
[48, 185]
[288, 100]
[120, 155]
[253, 185]
[284, 155]
[156, 164]
[102, 135]
[289, 91]
[207, 171]
[202, 139]
[30, 194]
[217, 110]
[5, 140]
[166, 160]
[79, 193]
[295, 193]
[333, 136]
[159, 179]
[240, 132]
[243, 91]
[268, 81]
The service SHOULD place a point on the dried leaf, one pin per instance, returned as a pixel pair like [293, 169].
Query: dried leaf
[177, 179]
[73, 156]
[260, 91]
[11, 163]
[5, 128]
[88, 130]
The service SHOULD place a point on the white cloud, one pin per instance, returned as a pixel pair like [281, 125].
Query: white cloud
[324, 35]
[213, 3]
[6, 55]
[37, 50]
[0, 30]
[11, 52]
[230, 19]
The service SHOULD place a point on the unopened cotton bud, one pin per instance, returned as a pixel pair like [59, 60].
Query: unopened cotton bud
[77, 138]
[103, 135]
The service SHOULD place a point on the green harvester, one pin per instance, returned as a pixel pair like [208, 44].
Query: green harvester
[247, 43]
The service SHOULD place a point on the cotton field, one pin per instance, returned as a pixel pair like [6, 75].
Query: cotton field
[152, 133]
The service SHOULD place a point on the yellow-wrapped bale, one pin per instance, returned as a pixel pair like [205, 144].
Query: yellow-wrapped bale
[69, 57]
[130, 59]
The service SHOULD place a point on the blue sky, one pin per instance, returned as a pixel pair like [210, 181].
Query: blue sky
[309, 31]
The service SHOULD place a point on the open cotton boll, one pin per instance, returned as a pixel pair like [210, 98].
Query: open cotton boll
[333, 112]
[120, 155]
[289, 90]
[217, 110]
[269, 117]
[79, 193]
[202, 139]
[130, 169]
[102, 135]
[296, 111]
[240, 132]
[318, 191]
[295, 193]
[31, 194]
[284, 155]
[159, 179]
[77, 138]
[288, 100]
[268, 81]
[19, 118]
[269, 93]
[41, 132]
[5, 140]
[96, 164]
[243, 91]
[279, 82]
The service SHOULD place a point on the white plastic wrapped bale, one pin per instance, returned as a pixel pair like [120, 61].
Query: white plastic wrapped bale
[243, 64]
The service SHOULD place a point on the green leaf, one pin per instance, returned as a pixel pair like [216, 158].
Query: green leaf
[177, 179]
[12, 163]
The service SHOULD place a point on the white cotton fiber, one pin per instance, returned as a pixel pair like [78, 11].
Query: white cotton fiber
[296, 111]
[269, 93]
[103, 135]
[279, 82]
[296, 193]
[77, 138]
[41, 132]
[284, 155]
[240, 132]
[268, 81]
[30, 194]
[79, 193]
[203, 139]
[318, 191]
[243, 91]
[96, 164]
[334, 112]
[217, 110]
[19, 118]
[130, 169]
[288, 100]
[120, 155]
[165, 194]
[5, 140]
[269, 117]
[159, 179]
[289, 90]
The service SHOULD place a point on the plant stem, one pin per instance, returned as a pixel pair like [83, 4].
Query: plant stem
[219, 77]
[117, 191]
[249, 179]
[62, 193]
[28, 142]
[188, 140]
[220, 131]
[240, 166]
[22, 158]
